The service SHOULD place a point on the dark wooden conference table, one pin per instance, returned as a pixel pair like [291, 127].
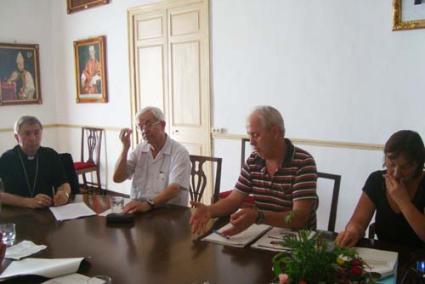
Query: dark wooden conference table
[157, 248]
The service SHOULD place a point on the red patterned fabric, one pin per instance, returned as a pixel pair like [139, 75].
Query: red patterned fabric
[83, 165]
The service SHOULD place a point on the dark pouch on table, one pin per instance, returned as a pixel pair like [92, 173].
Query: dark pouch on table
[119, 218]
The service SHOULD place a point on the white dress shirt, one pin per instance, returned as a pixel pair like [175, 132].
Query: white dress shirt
[150, 176]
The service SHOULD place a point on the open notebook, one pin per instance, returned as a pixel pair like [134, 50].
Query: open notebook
[272, 240]
[381, 261]
[239, 240]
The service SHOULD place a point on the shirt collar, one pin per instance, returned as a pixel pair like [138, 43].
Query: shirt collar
[289, 156]
[166, 149]
[290, 152]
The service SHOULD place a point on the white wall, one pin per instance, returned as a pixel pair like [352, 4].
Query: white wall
[28, 22]
[328, 65]
[334, 68]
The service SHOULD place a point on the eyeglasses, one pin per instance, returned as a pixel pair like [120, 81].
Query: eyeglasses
[147, 125]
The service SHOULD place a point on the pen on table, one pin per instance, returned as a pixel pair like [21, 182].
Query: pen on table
[221, 234]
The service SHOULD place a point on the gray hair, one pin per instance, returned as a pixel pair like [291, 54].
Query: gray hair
[269, 116]
[26, 119]
[157, 113]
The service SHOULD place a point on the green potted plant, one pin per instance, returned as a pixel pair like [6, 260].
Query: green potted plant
[312, 259]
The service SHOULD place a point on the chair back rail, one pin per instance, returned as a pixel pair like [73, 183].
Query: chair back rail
[91, 137]
[94, 142]
[372, 231]
[335, 196]
[198, 177]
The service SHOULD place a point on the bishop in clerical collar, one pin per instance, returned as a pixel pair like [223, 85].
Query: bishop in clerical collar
[30, 171]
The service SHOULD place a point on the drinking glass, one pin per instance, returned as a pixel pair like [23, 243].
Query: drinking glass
[9, 233]
[117, 204]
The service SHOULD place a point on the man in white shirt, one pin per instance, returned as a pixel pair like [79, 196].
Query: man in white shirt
[159, 166]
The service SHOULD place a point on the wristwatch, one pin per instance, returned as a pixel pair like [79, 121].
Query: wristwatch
[260, 217]
[151, 203]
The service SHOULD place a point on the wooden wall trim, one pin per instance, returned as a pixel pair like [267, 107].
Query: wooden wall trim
[230, 136]
[10, 129]
[107, 128]
[67, 126]
[312, 142]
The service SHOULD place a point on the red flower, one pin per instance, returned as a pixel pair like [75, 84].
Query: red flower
[356, 270]
[356, 262]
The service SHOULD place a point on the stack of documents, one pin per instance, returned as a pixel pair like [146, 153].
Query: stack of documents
[239, 240]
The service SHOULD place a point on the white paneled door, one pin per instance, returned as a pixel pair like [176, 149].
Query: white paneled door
[169, 59]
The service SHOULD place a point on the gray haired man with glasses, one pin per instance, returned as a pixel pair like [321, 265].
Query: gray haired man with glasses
[159, 166]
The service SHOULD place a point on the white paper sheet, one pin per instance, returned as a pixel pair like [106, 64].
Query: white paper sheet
[45, 267]
[23, 249]
[74, 278]
[71, 211]
[381, 261]
[239, 240]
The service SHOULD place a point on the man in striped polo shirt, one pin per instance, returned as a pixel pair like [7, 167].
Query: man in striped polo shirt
[281, 178]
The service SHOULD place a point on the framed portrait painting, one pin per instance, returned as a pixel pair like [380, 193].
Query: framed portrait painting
[90, 70]
[78, 5]
[408, 14]
[19, 74]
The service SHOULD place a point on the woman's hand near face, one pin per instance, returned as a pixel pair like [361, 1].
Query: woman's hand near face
[396, 189]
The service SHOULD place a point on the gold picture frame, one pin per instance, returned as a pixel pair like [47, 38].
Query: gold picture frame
[78, 5]
[19, 74]
[406, 20]
[90, 70]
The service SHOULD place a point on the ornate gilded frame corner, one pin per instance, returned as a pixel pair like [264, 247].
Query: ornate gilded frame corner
[401, 24]
[79, 5]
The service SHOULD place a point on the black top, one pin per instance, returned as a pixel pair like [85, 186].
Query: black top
[50, 172]
[392, 226]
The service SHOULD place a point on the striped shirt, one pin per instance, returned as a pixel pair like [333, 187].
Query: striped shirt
[294, 180]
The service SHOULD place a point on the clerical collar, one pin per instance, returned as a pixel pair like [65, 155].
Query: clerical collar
[28, 157]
